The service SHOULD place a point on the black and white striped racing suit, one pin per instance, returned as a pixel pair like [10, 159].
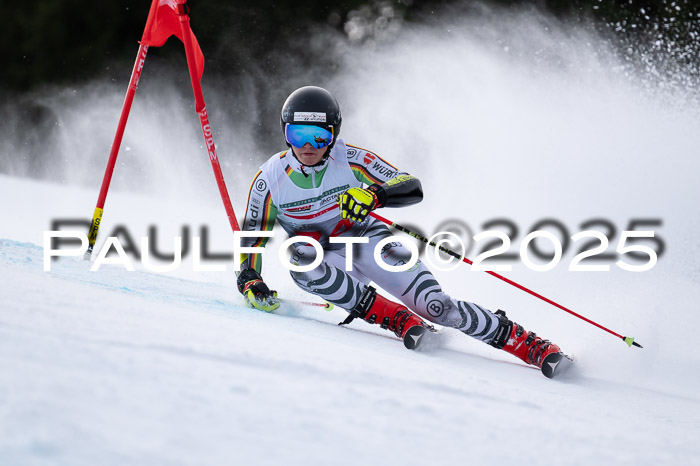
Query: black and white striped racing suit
[304, 202]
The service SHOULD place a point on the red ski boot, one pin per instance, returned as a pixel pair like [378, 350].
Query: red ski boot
[514, 339]
[376, 309]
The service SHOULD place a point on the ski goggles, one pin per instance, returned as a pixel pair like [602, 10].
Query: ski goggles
[317, 136]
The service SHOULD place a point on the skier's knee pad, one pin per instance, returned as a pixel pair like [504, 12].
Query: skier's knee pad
[303, 255]
[395, 254]
[440, 308]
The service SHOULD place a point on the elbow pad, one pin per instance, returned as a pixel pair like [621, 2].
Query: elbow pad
[404, 190]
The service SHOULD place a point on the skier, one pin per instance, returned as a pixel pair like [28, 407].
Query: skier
[315, 188]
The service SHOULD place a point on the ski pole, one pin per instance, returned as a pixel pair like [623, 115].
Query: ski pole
[629, 340]
[327, 306]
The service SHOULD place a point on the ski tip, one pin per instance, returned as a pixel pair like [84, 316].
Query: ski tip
[630, 342]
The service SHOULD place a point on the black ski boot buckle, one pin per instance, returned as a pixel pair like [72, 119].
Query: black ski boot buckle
[363, 305]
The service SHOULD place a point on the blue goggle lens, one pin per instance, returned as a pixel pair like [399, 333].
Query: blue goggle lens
[299, 135]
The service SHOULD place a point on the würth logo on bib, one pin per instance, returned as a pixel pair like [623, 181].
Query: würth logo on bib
[316, 117]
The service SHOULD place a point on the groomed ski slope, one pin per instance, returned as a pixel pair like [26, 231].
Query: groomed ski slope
[116, 367]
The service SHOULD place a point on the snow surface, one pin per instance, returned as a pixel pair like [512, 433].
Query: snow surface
[115, 367]
[118, 367]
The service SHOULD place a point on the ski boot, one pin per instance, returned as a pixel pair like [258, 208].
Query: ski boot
[376, 309]
[514, 339]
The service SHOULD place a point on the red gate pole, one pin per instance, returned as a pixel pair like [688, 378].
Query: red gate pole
[126, 108]
[201, 109]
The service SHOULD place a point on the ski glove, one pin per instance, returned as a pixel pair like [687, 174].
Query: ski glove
[255, 292]
[356, 203]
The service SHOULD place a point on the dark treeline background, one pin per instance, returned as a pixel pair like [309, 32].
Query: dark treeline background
[50, 42]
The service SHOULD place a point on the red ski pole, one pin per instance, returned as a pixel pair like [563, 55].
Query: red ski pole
[202, 112]
[106, 180]
[629, 340]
